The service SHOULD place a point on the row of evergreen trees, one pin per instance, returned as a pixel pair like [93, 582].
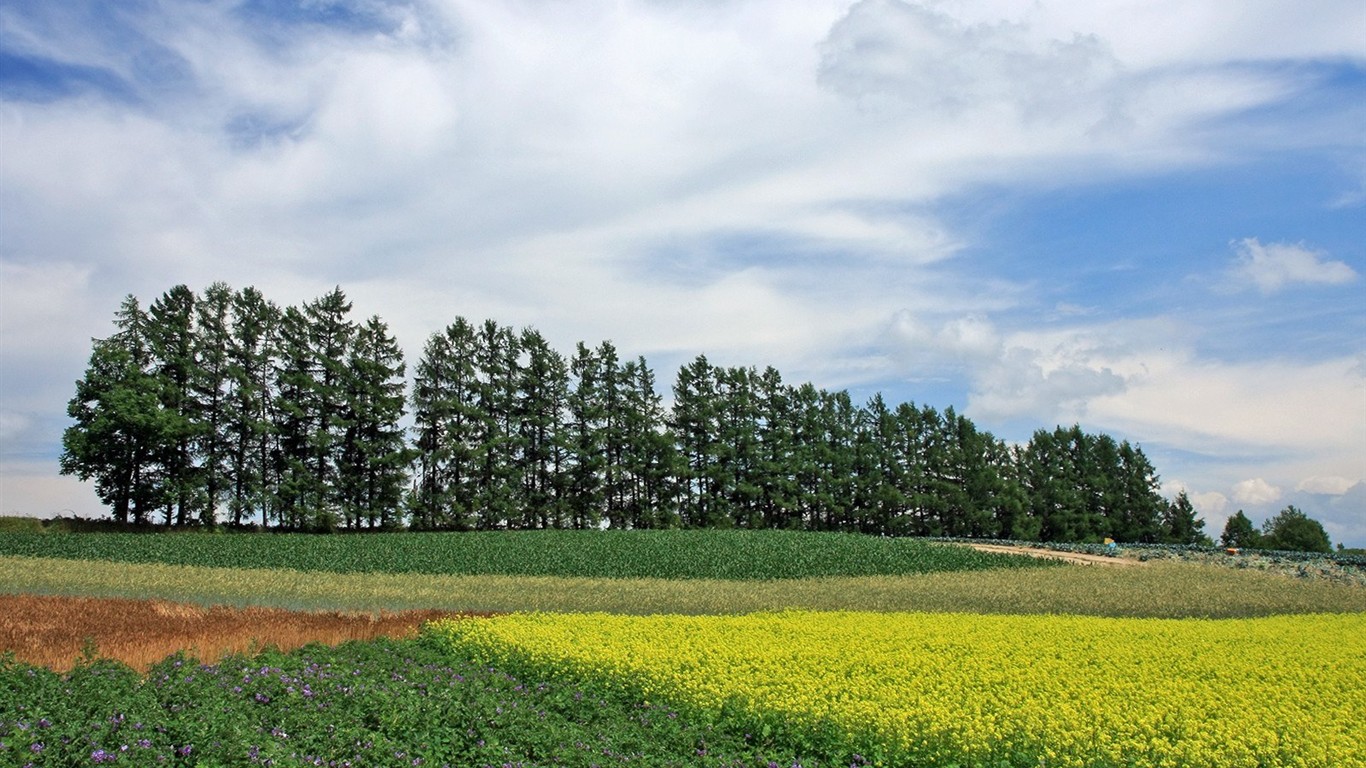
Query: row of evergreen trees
[226, 408]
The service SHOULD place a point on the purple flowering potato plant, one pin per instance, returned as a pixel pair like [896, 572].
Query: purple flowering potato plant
[377, 703]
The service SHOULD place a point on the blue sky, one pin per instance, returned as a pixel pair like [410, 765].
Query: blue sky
[1146, 218]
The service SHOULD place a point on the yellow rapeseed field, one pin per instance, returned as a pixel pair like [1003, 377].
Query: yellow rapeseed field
[945, 689]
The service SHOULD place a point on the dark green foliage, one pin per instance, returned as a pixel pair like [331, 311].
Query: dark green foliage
[374, 455]
[250, 433]
[1181, 525]
[1294, 531]
[697, 554]
[1083, 487]
[381, 703]
[290, 417]
[224, 400]
[118, 438]
[1240, 533]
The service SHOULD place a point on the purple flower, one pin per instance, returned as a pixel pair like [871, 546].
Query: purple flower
[36, 747]
[100, 756]
[185, 750]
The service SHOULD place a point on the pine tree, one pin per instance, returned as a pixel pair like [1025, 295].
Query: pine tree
[294, 412]
[496, 487]
[171, 338]
[543, 394]
[735, 473]
[116, 437]
[649, 459]
[251, 433]
[447, 423]
[1143, 504]
[374, 456]
[774, 468]
[1180, 523]
[211, 391]
[693, 423]
[878, 498]
[1240, 533]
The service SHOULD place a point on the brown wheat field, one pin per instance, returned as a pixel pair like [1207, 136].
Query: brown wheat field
[56, 631]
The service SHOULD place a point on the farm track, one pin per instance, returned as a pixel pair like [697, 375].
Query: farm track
[1052, 554]
[56, 631]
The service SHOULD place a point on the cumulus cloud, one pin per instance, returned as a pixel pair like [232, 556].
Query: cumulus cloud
[1212, 503]
[1274, 266]
[1255, 491]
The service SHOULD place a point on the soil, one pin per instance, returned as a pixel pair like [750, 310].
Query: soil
[56, 631]
[1071, 557]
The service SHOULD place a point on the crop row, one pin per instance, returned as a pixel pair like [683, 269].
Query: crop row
[588, 554]
[954, 689]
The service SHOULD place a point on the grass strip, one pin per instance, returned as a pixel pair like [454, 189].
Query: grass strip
[1163, 590]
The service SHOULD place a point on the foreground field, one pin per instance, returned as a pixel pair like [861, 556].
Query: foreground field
[381, 704]
[923, 655]
[950, 689]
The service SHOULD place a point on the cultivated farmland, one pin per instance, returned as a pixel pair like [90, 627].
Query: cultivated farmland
[800, 649]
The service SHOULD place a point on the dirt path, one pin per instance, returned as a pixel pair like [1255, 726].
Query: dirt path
[1071, 557]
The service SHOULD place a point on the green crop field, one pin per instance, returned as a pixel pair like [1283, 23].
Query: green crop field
[688, 554]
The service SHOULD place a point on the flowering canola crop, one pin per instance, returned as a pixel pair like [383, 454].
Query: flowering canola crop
[958, 689]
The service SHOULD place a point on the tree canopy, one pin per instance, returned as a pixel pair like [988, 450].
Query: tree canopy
[226, 408]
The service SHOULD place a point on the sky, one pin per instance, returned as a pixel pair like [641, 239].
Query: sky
[1145, 217]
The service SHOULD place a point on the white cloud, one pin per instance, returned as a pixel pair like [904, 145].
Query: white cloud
[1274, 266]
[1255, 491]
[588, 169]
[1330, 485]
[887, 54]
[969, 340]
[1213, 504]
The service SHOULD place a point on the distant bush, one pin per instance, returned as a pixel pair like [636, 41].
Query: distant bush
[20, 525]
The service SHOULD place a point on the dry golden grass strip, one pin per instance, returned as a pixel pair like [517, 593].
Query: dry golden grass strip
[55, 631]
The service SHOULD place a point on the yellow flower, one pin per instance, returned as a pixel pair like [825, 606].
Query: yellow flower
[1073, 691]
